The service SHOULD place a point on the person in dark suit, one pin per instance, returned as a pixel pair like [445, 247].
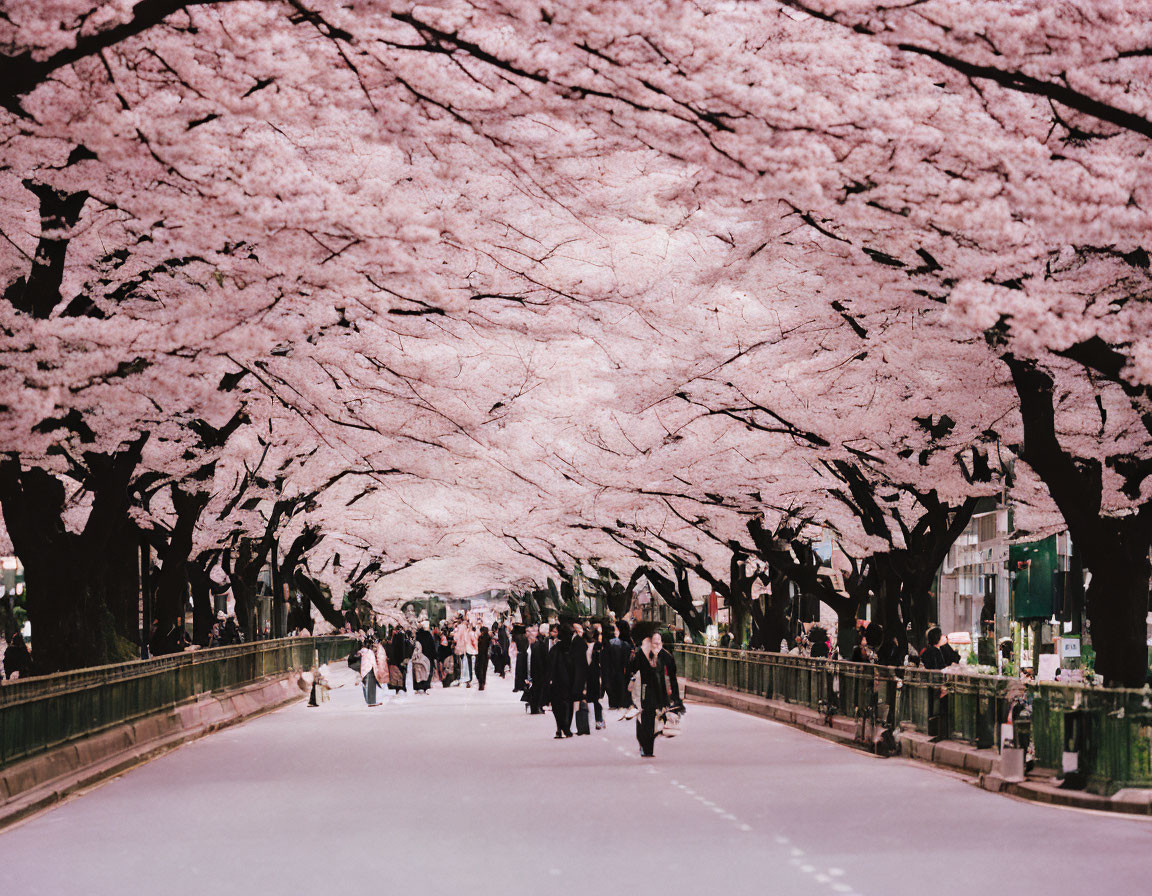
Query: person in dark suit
[615, 660]
[659, 687]
[579, 651]
[503, 642]
[560, 680]
[520, 674]
[538, 672]
[483, 646]
[594, 674]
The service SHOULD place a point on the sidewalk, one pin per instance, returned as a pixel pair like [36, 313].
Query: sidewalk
[983, 766]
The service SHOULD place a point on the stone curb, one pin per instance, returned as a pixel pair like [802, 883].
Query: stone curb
[30, 785]
[981, 765]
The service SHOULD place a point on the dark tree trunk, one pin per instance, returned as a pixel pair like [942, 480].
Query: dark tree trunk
[1117, 604]
[203, 612]
[122, 584]
[797, 561]
[1114, 549]
[678, 595]
[313, 593]
[770, 615]
[736, 591]
[618, 597]
[244, 580]
[70, 576]
[172, 584]
[299, 613]
[886, 602]
[244, 563]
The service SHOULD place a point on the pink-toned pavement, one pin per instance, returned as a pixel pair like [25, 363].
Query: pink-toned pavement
[460, 791]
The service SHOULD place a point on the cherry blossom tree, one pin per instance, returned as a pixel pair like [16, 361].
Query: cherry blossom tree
[450, 290]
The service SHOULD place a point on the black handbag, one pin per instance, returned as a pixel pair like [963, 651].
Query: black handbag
[354, 660]
[582, 719]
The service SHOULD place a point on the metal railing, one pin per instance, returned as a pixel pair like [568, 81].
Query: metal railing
[1110, 728]
[39, 713]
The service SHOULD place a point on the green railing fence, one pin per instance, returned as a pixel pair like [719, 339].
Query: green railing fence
[1110, 728]
[43, 712]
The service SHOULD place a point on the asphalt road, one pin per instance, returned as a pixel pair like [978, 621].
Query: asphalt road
[460, 792]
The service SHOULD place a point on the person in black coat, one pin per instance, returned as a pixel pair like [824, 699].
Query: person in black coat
[560, 681]
[520, 675]
[483, 646]
[503, 642]
[594, 672]
[579, 649]
[931, 657]
[538, 672]
[615, 659]
[17, 659]
[659, 687]
[398, 652]
[427, 641]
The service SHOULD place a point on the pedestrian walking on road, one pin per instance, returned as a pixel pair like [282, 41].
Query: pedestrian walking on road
[615, 666]
[538, 670]
[578, 666]
[398, 653]
[586, 678]
[659, 688]
[428, 646]
[483, 648]
[372, 665]
[560, 679]
[504, 642]
[421, 669]
[471, 649]
[446, 652]
[520, 675]
[461, 636]
[595, 688]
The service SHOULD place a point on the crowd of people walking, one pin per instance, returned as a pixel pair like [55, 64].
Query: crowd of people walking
[573, 668]
[458, 653]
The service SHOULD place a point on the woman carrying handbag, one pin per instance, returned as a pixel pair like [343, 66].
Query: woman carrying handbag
[659, 687]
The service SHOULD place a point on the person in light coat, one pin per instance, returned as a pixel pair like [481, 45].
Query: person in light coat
[467, 645]
[373, 669]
